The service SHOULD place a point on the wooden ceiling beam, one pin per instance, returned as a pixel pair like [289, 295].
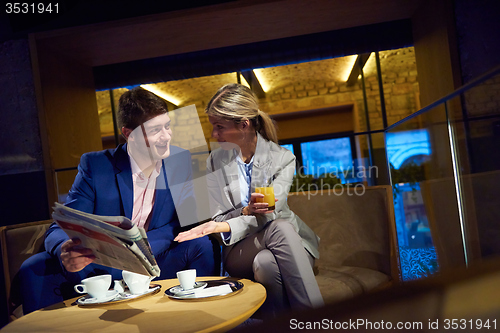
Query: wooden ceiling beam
[254, 83]
[356, 68]
[206, 28]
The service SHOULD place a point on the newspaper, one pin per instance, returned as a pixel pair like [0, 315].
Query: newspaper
[115, 240]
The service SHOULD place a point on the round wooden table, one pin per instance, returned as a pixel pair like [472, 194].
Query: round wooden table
[154, 313]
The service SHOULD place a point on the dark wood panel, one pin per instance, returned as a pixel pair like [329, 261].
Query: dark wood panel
[314, 122]
[436, 52]
[233, 23]
[70, 108]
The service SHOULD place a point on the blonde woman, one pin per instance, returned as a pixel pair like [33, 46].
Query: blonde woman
[273, 247]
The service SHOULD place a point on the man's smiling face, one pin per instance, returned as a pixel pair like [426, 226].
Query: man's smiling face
[151, 139]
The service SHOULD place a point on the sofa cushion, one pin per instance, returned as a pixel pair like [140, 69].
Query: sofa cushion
[344, 282]
[353, 228]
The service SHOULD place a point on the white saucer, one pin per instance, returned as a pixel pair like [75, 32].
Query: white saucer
[128, 295]
[178, 291]
[110, 294]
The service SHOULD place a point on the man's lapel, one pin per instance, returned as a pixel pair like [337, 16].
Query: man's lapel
[124, 179]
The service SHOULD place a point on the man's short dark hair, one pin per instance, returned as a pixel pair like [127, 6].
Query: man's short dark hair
[137, 106]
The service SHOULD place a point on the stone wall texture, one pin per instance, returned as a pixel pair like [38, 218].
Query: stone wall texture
[19, 128]
[309, 86]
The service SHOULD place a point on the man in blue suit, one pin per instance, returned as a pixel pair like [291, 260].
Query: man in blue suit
[133, 180]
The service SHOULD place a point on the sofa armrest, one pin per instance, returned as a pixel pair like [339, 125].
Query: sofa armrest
[18, 243]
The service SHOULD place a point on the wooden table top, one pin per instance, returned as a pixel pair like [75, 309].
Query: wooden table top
[155, 313]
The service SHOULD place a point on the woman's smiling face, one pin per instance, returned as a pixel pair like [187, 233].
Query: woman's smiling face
[226, 132]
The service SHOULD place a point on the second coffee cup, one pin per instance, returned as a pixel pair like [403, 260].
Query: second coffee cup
[187, 278]
[137, 283]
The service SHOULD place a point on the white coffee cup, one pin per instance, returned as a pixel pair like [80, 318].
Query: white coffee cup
[96, 286]
[187, 278]
[137, 283]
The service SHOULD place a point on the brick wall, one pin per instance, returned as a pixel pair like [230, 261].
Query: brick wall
[484, 99]
[400, 85]
[307, 92]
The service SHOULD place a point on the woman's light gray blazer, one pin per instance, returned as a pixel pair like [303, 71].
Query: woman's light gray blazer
[278, 164]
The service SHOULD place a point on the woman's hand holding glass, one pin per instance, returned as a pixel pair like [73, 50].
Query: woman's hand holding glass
[255, 207]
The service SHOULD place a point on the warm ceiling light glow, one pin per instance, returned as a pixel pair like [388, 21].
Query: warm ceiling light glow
[161, 93]
[349, 63]
[260, 76]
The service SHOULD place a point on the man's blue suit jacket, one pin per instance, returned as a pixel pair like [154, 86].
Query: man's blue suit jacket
[103, 186]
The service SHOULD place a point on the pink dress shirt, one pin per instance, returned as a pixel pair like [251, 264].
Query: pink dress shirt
[144, 193]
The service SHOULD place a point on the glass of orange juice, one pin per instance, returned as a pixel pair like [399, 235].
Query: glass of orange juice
[268, 192]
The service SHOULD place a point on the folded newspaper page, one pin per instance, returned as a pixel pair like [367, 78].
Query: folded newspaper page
[115, 240]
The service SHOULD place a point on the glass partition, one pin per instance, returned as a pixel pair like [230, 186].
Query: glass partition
[474, 118]
[444, 168]
[418, 155]
[339, 162]
[64, 179]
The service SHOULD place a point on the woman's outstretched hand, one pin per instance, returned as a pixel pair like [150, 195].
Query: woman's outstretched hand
[203, 230]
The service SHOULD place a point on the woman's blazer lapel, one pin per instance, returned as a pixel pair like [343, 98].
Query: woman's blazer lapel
[230, 179]
[261, 163]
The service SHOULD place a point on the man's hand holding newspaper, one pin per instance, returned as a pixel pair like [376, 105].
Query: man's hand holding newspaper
[113, 240]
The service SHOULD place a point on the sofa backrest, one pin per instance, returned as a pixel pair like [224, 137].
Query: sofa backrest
[19, 242]
[356, 227]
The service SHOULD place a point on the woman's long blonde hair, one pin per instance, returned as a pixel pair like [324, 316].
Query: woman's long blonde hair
[236, 102]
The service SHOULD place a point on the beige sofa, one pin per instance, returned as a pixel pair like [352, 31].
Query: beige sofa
[358, 239]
